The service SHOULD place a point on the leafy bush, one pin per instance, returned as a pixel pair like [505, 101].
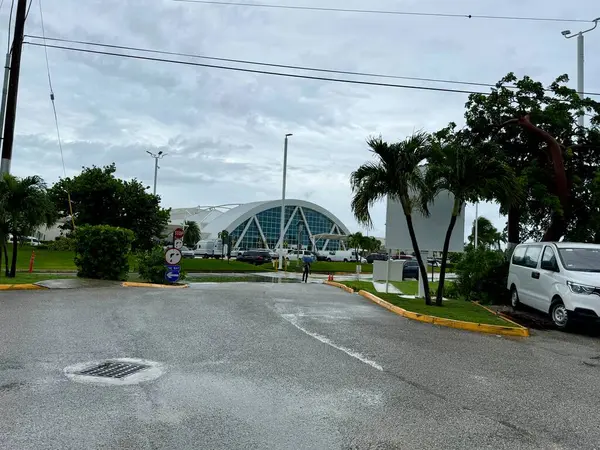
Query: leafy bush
[482, 275]
[62, 244]
[151, 266]
[101, 252]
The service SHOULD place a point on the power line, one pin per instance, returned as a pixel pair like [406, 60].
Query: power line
[397, 13]
[62, 156]
[284, 66]
[12, 5]
[262, 72]
[257, 63]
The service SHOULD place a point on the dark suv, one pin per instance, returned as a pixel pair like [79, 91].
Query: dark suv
[257, 257]
[376, 257]
[410, 269]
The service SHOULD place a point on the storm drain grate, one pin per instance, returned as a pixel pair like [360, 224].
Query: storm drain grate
[113, 369]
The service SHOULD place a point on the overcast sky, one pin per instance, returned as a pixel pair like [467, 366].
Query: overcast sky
[224, 130]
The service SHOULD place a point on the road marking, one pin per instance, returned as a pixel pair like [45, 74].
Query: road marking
[293, 319]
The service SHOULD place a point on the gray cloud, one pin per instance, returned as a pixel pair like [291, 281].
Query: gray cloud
[224, 130]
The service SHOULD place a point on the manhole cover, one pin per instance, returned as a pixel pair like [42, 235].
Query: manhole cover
[115, 371]
[111, 369]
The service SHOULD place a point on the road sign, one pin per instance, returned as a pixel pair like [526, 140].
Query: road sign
[172, 256]
[178, 233]
[172, 273]
[178, 243]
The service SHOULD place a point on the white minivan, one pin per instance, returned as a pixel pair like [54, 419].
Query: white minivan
[559, 278]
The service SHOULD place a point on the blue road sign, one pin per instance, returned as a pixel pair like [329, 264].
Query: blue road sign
[172, 273]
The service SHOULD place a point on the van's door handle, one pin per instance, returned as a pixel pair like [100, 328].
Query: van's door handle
[535, 275]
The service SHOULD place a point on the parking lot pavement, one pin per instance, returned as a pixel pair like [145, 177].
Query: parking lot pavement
[299, 366]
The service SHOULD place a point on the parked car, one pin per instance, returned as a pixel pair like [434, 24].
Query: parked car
[410, 269]
[293, 255]
[342, 256]
[257, 257]
[187, 252]
[209, 248]
[560, 279]
[376, 257]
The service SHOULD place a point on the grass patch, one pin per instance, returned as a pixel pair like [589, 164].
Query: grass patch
[412, 287]
[29, 278]
[44, 260]
[221, 265]
[451, 309]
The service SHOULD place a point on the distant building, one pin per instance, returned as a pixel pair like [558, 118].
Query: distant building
[257, 225]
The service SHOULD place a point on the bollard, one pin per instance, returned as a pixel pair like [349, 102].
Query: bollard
[31, 261]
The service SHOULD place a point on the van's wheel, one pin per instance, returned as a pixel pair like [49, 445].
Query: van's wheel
[560, 315]
[514, 298]
[345, 260]
[328, 259]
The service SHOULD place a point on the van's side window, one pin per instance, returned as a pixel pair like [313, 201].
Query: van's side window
[518, 256]
[549, 260]
[532, 256]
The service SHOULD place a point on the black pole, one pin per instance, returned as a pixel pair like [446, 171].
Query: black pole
[13, 87]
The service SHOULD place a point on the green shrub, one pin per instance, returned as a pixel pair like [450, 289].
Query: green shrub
[482, 275]
[62, 244]
[151, 266]
[101, 252]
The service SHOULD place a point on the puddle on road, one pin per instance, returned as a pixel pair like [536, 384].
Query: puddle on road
[211, 278]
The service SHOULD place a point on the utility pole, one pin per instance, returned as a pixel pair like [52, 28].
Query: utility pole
[159, 155]
[282, 221]
[580, 62]
[13, 87]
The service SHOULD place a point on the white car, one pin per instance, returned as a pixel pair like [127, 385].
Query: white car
[561, 279]
[187, 253]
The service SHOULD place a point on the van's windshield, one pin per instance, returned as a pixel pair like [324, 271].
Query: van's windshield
[580, 259]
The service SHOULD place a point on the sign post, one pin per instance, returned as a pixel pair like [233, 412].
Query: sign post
[173, 257]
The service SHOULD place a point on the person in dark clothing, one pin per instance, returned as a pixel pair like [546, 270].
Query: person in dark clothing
[306, 269]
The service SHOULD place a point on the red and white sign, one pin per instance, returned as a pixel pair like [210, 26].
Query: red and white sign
[178, 233]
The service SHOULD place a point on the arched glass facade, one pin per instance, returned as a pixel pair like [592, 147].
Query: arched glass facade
[262, 230]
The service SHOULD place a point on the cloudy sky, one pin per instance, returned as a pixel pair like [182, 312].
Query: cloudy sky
[223, 130]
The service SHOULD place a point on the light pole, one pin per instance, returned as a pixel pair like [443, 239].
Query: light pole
[580, 61]
[282, 222]
[157, 156]
[476, 223]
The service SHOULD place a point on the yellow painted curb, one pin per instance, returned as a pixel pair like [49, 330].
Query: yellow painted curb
[339, 285]
[151, 285]
[21, 287]
[459, 324]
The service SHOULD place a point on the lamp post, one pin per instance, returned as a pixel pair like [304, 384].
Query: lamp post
[282, 222]
[476, 223]
[157, 156]
[580, 61]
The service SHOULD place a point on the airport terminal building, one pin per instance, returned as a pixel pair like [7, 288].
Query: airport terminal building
[257, 225]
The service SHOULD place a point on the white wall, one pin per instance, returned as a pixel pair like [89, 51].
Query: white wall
[430, 231]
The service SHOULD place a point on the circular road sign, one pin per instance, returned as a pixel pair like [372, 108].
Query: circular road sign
[178, 233]
[172, 256]
[178, 243]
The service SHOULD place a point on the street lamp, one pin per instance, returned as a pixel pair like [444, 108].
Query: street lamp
[157, 156]
[580, 61]
[282, 222]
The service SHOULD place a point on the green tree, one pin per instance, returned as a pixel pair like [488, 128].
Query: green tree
[99, 198]
[357, 242]
[191, 234]
[24, 207]
[456, 167]
[397, 175]
[536, 131]
[226, 240]
[488, 235]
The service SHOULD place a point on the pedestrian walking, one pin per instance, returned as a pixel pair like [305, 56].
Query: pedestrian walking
[306, 260]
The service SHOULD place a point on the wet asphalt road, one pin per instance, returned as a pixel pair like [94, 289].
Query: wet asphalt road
[290, 366]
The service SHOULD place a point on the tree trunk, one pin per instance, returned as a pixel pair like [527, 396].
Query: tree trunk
[440, 292]
[422, 269]
[6, 266]
[13, 267]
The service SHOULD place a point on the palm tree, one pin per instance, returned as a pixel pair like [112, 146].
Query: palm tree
[397, 175]
[192, 233]
[488, 235]
[25, 206]
[456, 167]
[226, 240]
[357, 242]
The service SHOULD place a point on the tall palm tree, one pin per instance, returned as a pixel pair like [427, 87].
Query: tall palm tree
[26, 206]
[487, 234]
[397, 175]
[456, 167]
[357, 242]
[192, 233]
